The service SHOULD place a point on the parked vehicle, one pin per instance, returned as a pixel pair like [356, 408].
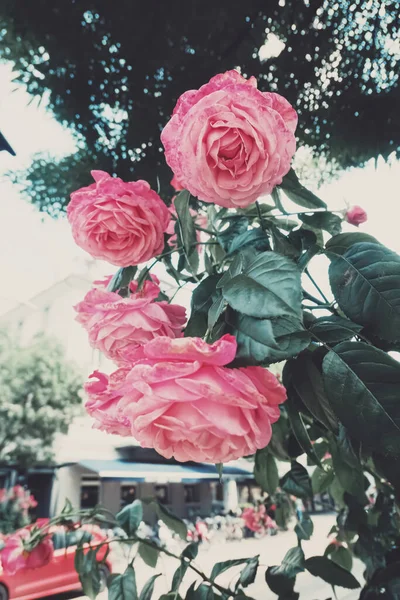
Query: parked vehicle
[59, 574]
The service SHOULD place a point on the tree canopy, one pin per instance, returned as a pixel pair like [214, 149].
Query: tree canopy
[40, 394]
[114, 70]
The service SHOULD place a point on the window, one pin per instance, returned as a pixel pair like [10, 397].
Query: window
[161, 493]
[128, 494]
[191, 494]
[217, 492]
[89, 494]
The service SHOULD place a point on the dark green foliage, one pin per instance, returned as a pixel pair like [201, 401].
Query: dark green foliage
[266, 471]
[297, 482]
[148, 587]
[365, 281]
[331, 572]
[115, 70]
[130, 517]
[304, 528]
[248, 574]
[371, 379]
[281, 579]
[123, 587]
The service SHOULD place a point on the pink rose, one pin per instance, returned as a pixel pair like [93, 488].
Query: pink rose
[178, 187]
[356, 215]
[17, 554]
[228, 142]
[102, 404]
[181, 400]
[122, 223]
[114, 323]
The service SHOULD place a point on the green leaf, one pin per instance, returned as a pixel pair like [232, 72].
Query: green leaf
[221, 567]
[292, 563]
[203, 297]
[340, 555]
[264, 341]
[248, 574]
[122, 278]
[329, 571]
[186, 231]
[179, 575]
[148, 554]
[321, 479]
[269, 288]
[339, 244]
[332, 330]
[238, 225]
[336, 490]
[346, 465]
[280, 583]
[191, 550]
[216, 309]
[202, 592]
[171, 521]
[266, 471]
[130, 517]
[297, 481]
[309, 385]
[304, 528]
[363, 386]
[300, 431]
[323, 220]
[282, 244]
[298, 193]
[148, 588]
[123, 587]
[256, 238]
[87, 568]
[365, 281]
[234, 269]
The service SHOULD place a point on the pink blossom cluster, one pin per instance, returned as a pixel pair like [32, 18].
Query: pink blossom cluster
[257, 519]
[19, 498]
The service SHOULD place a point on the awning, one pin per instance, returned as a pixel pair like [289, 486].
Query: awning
[162, 473]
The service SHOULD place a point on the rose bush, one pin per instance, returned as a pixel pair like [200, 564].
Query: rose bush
[209, 395]
[121, 223]
[228, 143]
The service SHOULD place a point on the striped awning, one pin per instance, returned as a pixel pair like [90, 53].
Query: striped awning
[162, 473]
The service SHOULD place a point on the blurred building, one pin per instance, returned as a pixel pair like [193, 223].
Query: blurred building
[90, 467]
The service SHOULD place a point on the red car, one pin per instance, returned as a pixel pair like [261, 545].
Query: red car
[57, 576]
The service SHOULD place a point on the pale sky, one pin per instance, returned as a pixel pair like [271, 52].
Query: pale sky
[37, 251]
